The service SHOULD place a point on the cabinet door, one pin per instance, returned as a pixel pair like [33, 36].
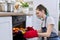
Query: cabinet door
[5, 31]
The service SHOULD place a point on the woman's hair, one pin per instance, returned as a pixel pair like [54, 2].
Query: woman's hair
[41, 7]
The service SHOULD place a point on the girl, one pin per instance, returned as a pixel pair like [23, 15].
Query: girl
[47, 26]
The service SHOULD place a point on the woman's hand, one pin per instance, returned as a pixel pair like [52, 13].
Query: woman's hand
[39, 31]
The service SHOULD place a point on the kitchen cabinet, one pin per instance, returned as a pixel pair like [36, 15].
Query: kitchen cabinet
[5, 28]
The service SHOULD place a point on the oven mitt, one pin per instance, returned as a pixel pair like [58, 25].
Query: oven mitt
[31, 34]
[30, 28]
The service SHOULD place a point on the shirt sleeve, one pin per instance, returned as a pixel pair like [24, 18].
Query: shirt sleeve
[50, 20]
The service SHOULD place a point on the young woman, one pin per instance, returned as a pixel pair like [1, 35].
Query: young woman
[47, 26]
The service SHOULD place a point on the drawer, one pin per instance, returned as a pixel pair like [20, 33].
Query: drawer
[5, 19]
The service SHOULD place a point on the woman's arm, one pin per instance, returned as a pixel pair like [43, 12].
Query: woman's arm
[40, 30]
[47, 34]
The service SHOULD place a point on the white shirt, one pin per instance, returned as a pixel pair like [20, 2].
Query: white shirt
[49, 20]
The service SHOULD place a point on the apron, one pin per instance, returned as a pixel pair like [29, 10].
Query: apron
[53, 35]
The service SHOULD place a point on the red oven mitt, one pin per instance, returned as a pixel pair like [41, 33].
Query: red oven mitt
[30, 28]
[31, 34]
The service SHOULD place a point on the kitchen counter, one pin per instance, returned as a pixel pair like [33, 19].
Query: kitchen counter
[13, 14]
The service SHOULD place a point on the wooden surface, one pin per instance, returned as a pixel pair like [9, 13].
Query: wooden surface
[13, 14]
[59, 33]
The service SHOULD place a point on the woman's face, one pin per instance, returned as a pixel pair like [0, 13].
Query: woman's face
[39, 13]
